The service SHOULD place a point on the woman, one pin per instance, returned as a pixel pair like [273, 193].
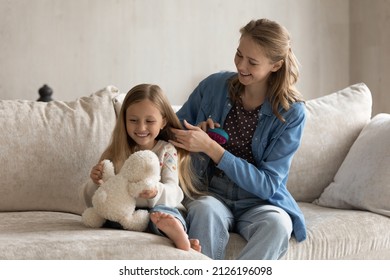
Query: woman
[264, 116]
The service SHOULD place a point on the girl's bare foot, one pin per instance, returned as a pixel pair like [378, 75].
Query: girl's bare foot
[195, 245]
[172, 228]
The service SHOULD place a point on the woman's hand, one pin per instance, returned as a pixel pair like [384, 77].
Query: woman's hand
[195, 139]
[97, 173]
[148, 194]
[208, 124]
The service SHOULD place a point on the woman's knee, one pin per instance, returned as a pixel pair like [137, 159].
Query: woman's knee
[208, 208]
[280, 224]
[204, 204]
[272, 221]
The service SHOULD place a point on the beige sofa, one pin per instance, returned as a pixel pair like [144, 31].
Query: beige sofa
[47, 150]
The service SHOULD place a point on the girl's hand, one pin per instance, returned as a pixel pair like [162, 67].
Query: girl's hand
[97, 173]
[208, 124]
[148, 194]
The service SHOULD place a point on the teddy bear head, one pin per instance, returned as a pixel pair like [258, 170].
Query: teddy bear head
[140, 165]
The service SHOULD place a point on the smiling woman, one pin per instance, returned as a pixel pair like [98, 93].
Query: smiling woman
[263, 116]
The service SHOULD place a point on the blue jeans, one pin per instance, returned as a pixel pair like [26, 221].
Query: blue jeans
[267, 228]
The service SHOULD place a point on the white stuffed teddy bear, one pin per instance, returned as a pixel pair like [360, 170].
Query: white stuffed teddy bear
[115, 200]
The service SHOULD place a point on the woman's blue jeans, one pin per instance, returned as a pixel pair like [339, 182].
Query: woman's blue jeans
[267, 228]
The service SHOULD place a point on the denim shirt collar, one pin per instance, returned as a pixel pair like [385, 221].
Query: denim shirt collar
[266, 109]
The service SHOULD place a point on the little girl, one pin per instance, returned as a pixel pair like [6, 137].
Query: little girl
[145, 123]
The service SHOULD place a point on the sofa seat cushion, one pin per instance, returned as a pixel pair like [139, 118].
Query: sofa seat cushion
[55, 235]
[335, 234]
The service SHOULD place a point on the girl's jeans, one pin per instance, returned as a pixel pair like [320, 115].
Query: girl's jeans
[267, 228]
[165, 209]
[152, 227]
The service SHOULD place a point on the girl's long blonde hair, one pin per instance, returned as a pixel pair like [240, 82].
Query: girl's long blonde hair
[274, 39]
[122, 146]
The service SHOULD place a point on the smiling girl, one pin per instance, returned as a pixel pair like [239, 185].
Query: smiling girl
[144, 123]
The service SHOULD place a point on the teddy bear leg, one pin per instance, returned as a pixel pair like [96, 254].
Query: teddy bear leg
[138, 221]
[92, 219]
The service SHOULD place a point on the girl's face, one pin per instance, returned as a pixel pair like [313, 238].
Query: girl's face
[143, 123]
[253, 66]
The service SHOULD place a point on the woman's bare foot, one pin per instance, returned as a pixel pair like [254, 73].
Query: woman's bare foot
[195, 245]
[172, 228]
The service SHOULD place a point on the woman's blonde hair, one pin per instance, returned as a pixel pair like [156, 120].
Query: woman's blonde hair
[274, 40]
[122, 145]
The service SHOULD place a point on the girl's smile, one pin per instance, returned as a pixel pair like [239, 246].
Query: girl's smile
[144, 123]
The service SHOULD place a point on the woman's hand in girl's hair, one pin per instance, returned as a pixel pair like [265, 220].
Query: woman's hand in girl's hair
[148, 194]
[195, 139]
[208, 124]
[97, 173]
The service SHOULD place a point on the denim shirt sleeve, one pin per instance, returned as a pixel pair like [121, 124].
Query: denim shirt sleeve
[278, 143]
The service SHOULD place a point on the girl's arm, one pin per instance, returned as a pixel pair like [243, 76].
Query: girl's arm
[169, 192]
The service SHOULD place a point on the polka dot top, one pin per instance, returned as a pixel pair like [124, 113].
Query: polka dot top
[241, 124]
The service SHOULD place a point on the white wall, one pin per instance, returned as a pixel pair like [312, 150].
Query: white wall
[80, 46]
[370, 52]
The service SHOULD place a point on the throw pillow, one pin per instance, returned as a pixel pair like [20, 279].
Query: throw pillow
[363, 180]
[334, 121]
[47, 150]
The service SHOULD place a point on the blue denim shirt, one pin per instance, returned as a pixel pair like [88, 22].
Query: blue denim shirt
[274, 144]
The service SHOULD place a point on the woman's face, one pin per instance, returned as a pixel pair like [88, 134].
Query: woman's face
[253, 66]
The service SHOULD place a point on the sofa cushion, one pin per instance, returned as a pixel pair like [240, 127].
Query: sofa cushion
[363, 180]
[57, 236]
[48, 149]
[333, 124]
[334, 234]
[118, 101]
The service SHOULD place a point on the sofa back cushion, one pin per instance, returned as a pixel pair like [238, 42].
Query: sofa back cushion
[48, 149]
[333, 124]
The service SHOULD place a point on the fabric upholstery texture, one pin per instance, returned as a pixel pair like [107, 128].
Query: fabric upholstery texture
[363, 179]
[333, 123]
[54, 235]
[49, 149]
[334, 234]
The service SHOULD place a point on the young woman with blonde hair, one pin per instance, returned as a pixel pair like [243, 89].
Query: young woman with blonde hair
[264, 115]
